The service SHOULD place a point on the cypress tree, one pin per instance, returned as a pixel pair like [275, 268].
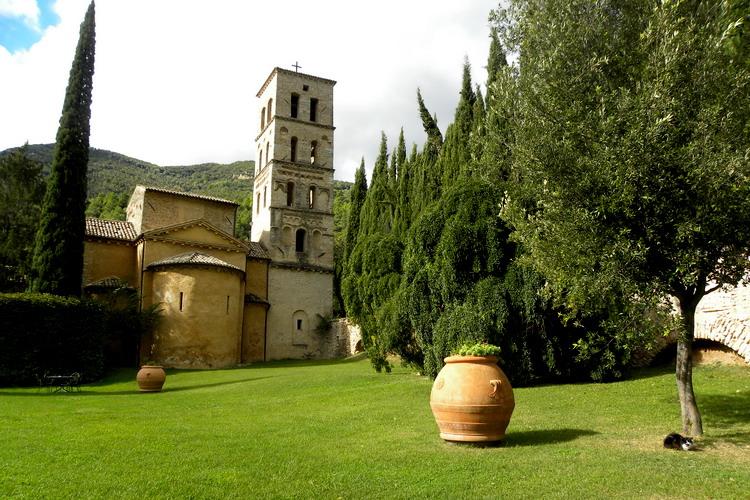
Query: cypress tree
[377, 210]
[496, 61]
[464, 118]
[58, 253]
[478, 134]
[357, 199]
[429, 123]
[427, 180]
[402, 214]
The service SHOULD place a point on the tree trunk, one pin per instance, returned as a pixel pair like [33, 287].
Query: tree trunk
[692, 424]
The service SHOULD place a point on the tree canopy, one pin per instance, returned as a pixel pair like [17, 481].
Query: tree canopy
[631, 152]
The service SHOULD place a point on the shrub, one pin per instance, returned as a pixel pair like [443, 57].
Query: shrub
[41, 333]
[478, 349]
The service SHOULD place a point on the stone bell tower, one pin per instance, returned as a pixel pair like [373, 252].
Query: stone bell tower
[293, 206]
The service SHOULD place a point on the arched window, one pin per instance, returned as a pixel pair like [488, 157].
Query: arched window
[311, 197]
[293, 149]
[289, 193]
[262, 119]
[313, 151]
[270, 113]
[294, 105]
[264, 196]
[260, 160]
[299, 243]
[268, 157]
[257, 205]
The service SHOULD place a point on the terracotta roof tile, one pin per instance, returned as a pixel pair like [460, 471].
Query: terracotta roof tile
[108, 282]
[251, 298]
[112, 229]
[256, 250]
[194, 258]
[190, 195]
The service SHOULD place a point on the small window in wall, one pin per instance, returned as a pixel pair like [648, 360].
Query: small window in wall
[262, 119]
[311, 197]
[300, 325]
[264, 196]
[257, 205]
[270, 113]
[289, 193]
[260, 160]
[299, 244]
[313, 151]
[268, 157]
[313, 110]
[293, 149]
[181, 301]
[305, 88]
[294, 105]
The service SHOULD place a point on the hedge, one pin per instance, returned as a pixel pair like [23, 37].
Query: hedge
[41, 333]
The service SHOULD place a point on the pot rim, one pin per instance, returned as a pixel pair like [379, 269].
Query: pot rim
[152, 366]
[471, 359]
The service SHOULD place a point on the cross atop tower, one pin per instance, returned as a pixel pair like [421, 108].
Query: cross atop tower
[296, 66]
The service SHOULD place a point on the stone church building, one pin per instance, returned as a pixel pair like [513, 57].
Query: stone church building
[224, 300]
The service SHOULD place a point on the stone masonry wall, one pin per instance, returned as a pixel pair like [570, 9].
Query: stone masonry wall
[722, 316]
[344, 339]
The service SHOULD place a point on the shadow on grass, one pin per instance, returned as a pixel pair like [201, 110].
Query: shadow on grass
[656, 370]
[542, 437]
[726, 410]
[729, 415]
[86, 390]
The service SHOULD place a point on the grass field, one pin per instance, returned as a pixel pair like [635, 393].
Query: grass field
[339, 430]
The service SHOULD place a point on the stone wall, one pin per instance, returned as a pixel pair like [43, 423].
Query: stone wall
[151, 208]
[105, 259]
[297, 298]
[724, 317]
[344, 339]
[201, 317]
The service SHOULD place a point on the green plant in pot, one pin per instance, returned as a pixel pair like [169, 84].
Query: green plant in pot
[472, 399]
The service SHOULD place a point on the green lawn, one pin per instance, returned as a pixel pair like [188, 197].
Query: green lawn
[331, 430]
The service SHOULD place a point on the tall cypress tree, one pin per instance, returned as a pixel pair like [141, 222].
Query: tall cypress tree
[496, 61]
[357, 199]
[58, 252]
[377, 210]
[427, 180]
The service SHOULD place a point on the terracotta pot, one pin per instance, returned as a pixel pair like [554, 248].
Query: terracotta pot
[472, 399]
[150, 378]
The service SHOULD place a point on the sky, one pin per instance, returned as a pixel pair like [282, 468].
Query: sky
[175, 80]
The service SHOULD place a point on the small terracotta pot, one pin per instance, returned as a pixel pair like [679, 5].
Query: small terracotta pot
[472, 399]
[151, 378]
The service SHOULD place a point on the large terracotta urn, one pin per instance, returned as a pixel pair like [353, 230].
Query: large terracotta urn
[151, 378]
[472, 399]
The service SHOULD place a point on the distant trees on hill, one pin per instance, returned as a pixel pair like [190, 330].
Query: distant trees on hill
[21, 193]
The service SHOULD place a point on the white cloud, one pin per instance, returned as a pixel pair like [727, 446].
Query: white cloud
[175, 80]
[27, 10]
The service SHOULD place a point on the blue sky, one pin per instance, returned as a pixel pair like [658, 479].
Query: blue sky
[19, 31]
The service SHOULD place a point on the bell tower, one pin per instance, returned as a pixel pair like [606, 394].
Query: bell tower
[293, 206]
